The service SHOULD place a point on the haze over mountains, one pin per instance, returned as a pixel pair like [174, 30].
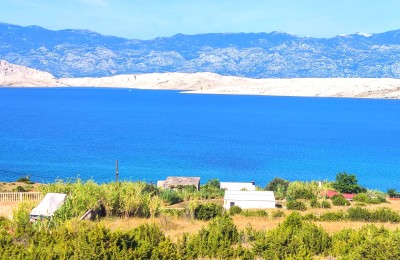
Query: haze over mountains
[81, 53]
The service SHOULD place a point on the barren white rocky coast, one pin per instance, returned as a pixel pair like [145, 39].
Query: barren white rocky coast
[12, 75]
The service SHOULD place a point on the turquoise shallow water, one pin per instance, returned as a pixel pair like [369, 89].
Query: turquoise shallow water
[80, 132]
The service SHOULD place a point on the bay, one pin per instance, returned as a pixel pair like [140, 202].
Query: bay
[50, 133]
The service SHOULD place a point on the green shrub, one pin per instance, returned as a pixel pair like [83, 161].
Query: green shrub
[25, 180]
[385, 215]
[235, 210]
[370, 242]
[370, 198]
[173, 212]
[339, 200]
[254, 213]
[302, 190]
[293, 239]
[310, 216]
[359, 214]
[325, 204]
[279, 187]
[19, 189]
[207, 211]
[170, 197]
[118, 199]
[296, 205]
[333, 216]
[278, 214]
[314, 203]
[214, 241]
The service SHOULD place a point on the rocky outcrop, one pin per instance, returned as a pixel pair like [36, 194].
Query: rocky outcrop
[16, 75]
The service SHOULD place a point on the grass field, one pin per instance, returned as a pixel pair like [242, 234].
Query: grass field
[174, 227]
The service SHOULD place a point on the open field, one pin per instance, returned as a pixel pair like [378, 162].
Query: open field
[175, 227]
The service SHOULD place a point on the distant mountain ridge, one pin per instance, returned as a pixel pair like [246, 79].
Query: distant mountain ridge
[82, 53]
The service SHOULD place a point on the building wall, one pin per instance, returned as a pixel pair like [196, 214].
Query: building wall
[249, 199]
[245, 204]
[237, 186]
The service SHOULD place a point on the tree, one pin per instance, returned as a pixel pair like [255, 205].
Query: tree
[347, 183]
[275, 183]
[212, 184]
[278, 186]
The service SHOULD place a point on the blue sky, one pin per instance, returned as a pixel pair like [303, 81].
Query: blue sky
[147, 19]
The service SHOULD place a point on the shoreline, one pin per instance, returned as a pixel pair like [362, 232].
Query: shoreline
[12, 75]
[208, 83]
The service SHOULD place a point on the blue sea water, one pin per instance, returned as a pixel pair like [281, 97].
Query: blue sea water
[51, 133]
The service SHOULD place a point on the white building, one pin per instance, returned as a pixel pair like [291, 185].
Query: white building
[50, 204]
[249, 199]
[237, 185]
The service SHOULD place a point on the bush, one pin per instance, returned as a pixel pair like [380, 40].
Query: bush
[254, 213]
[370, 242]
[214, 241]
[333, 216]
[278, 214]
[25, 180]
[359, 214]
[339, 200]
[295, 205]
[314, 203]
[310, 217]
[207, 211]
[279, 187]
[173, 212]
[374, 198]
[385, 215]
[325, 204]
[170, 197]
[19, 189]
[293, 239]
[302, 190]
[235, 210]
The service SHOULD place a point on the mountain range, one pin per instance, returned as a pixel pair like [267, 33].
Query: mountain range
[83, 53]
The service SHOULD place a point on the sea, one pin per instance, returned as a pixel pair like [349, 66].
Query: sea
[69, 133]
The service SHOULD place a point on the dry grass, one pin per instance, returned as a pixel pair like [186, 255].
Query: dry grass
[175, 227]
[11, 186]
[172, 227]
[6, 208]
[258, 223]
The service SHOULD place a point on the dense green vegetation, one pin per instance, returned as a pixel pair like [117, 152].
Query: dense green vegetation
[297, 237]
[347, 183]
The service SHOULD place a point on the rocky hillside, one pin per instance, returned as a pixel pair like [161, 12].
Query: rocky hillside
[16, 75]
[78, 53]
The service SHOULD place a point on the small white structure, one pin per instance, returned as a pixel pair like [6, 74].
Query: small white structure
[237, 185]
[249, 199]
[50, 204]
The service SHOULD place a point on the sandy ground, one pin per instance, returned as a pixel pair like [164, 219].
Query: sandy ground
[209, 83]
[6, 208]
